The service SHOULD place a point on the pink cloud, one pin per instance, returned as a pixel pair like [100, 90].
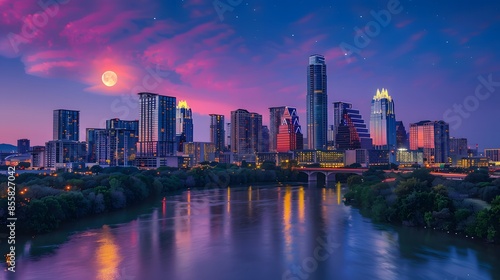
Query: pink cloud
[403, 24]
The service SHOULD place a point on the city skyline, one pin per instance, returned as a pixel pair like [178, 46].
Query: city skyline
[429, 70]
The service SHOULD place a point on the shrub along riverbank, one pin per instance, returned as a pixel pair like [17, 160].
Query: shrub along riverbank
[421, 199]
[43, 203]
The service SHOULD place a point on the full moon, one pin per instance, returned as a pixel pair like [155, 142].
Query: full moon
[109, 78]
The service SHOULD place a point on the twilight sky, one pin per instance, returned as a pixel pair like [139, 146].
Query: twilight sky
[438, 59]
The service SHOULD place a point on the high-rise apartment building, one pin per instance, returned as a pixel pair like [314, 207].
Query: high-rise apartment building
[217, 132]
[157, 125]
[66, 125]
[246, 132]
[124, 124]
[317, 103]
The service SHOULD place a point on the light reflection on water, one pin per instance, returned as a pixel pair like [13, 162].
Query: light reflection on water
[251, 233]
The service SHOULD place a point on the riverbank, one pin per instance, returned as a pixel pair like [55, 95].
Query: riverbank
[420, 200]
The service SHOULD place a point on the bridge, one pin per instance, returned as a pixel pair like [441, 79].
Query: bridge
[328, 173]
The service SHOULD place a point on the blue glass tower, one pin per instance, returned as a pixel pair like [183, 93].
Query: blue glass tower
[383, 123]
[317, 103]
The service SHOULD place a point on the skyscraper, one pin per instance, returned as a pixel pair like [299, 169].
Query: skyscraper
[289, 136]
[246, 132]
[433, 138]
[184, 124]
[117, 123]
[217, 133]
[317, 103]
[383, 121]
[156, 125]
[458, 149]
[349, 128]
[23, 146]
[66, 125]
[276, 116]
[401, 136]
[264, 143]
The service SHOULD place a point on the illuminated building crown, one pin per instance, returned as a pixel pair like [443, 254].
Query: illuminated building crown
[382, 94]
[183, 104]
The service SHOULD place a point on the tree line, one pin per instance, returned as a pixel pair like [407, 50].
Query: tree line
[44, 202]
[471, 206]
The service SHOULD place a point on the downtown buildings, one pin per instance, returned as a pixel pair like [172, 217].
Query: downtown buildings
[157, 130]
[317, 103]
[184, 124]
[217, 132]
[433, 138]
[349, 128]
[65, 150]
[383, 124]
[246, 134]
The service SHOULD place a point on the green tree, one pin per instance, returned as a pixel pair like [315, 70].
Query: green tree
[96, 169]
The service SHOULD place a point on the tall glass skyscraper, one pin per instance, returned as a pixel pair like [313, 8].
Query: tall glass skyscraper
[317, 103]
[217, 133]
[156, 125]
[184, 124]
[383, 122]
[66, 125]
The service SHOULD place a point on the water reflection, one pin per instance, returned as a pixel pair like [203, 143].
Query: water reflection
[108, 256]
[253, 233]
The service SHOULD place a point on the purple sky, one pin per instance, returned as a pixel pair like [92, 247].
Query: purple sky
[429, 55]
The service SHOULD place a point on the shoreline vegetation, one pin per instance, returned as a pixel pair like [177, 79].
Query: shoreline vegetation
[418, 199]
[470, 208]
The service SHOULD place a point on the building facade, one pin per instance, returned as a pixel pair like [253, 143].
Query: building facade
[317, 103]
[61, 152]
[184, 124]
[492, 154]
[246, 132]
[275, 118]
[289, 137]
[124, 124]
[66, 125]
[458, 150]
[383, 122]
[157, 125]
[401, 136]
[432, 137]
[217, 132]
[349, 128]
[199, 152]
[23, 146]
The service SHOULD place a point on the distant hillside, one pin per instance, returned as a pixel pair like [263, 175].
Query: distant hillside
[7, 148]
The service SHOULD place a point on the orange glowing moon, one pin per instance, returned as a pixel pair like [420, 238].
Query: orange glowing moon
[109, 78]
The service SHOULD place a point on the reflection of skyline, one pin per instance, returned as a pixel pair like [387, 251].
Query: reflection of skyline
[108, 256]
[217, 242]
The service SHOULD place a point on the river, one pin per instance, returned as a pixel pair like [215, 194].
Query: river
[285, 232]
